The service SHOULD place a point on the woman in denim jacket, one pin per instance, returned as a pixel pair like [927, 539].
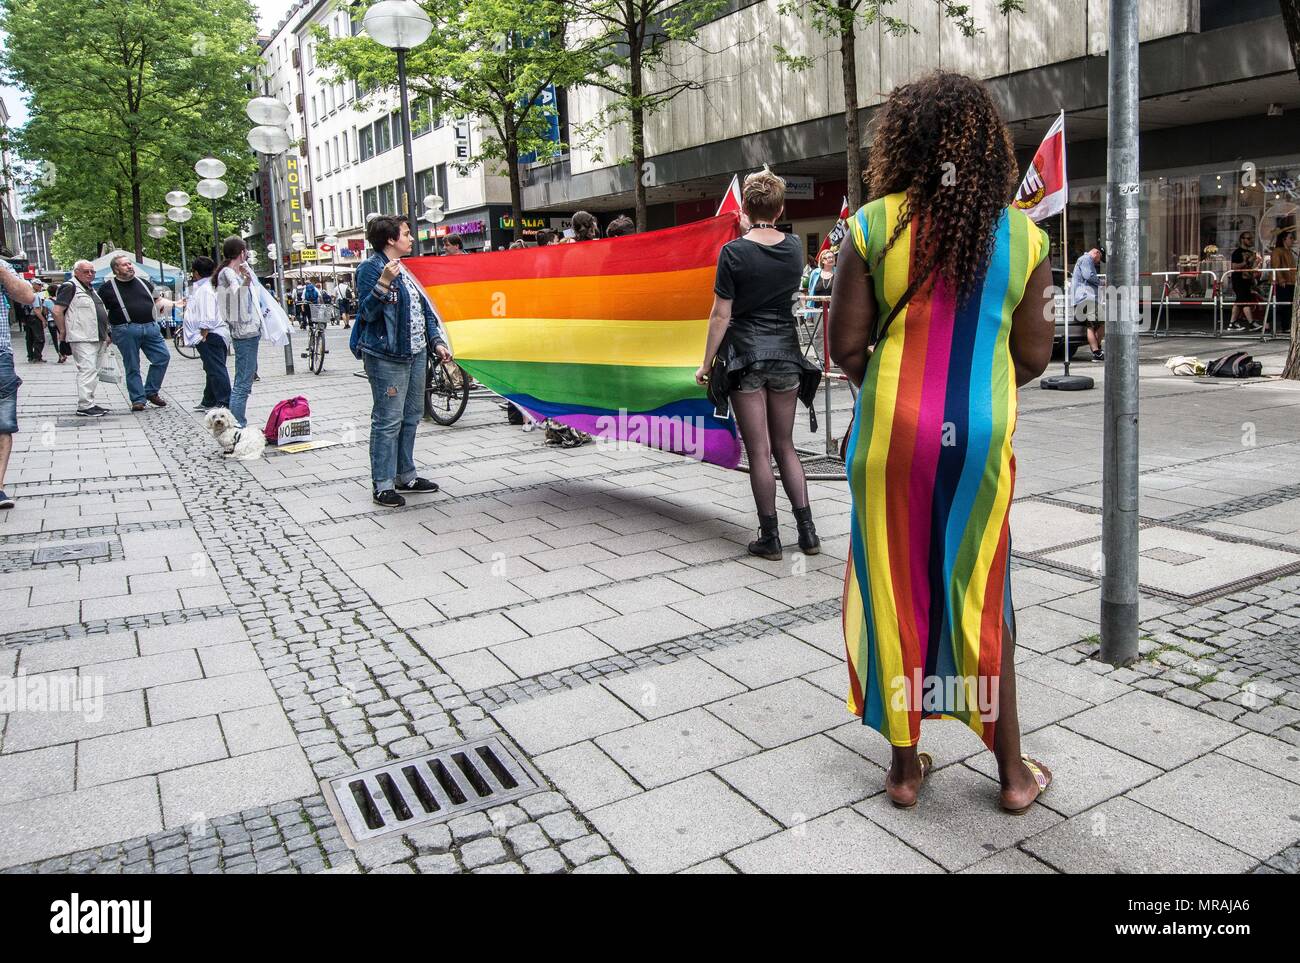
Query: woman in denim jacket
[396, 327]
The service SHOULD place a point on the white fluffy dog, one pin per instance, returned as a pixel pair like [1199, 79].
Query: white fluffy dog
[245, 443]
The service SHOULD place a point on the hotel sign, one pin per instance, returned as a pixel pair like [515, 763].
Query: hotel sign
[294, 180]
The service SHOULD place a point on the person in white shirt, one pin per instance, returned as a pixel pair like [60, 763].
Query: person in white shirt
[206, 330]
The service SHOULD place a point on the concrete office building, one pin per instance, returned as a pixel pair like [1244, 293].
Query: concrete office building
[1220, 117]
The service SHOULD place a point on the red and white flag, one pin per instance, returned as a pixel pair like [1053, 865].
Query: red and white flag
[731, 200]
[1042, 192]
[836, 235]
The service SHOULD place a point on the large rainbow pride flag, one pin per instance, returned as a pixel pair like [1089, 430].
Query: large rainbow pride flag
[602, 336]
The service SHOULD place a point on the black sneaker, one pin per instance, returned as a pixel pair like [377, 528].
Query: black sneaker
[1098, 356]
[199, 408]
[97, 410]
[420, 485]
[89, 413]
[388, 498]
[5, 500]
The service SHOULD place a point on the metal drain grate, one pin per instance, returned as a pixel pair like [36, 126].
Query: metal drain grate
[433, 787]
[70, 553]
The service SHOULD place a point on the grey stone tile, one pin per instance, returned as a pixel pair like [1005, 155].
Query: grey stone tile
[466, 635]
[666, 689]
[1042, 629]
[639, 629]
[586, 775]
[538, 618]
[39, 772]
[646, 594]
[805, 779]
[841, 842]
[192, 635]
[710, 867]
[781, 713]
[37, 828]
[115, 713]
[946, 740]
[203, 697]
[678, 825]
[672, 747]
[554, 650]
[1263, 752]
[257, 728]
[1120, 836]
[767, 659]
[827, 636]
[729, 607]
[476, 670]
[1084, 772]
[1154, 730]
[1009, 862]
[1038, 705]
[1250, 810]
[957, 821]
[84, 650]
[549, 722]
[718, 577]
[1073, 680]
[228, 659]
[233, 785]
[144, 671]
[142, 752]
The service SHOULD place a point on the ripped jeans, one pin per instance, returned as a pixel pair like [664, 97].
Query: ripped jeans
[397, 393]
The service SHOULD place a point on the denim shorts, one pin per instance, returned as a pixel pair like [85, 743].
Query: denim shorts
[9, 382]
[772, 375]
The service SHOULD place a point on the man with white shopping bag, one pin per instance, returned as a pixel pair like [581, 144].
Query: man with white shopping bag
[82, 321]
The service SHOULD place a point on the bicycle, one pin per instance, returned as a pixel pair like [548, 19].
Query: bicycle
[321, 315]
[177, 335]
[446, 391]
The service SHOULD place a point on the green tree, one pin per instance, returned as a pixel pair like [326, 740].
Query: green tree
[840, 20]
[625, 41]
[124, 97]
[487, 60]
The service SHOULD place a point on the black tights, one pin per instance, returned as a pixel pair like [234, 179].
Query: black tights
[766, 421]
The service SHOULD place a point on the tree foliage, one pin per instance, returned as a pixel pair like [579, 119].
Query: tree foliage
[488, 60]
[124, 97]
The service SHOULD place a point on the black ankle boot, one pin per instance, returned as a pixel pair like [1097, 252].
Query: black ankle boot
[809, 543]
[768, 543]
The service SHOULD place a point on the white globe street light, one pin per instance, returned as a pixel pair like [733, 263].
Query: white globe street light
[210, 167]
[269, 140]
[267, 111]
[433, 201]
[177, 198]
[179, 214]
[157, 231]
[157, 220]
[400, 25]
[212, 188]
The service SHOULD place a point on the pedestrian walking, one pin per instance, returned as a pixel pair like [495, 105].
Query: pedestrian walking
[345, 305]
[952, 287]
[1085, 291]
[14, 291]
[396, 327]
[1242, 280]
[1283, 260]
[44, 306]
[753, 335]
[238, 310]
[133, 305]
[33, 325]
[83, 324]
[206, 330]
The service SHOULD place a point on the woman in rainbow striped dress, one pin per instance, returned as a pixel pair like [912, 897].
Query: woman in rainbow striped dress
[953, 289]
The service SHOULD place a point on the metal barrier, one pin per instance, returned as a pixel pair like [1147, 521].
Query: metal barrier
[1268, 324]
[1169, 287]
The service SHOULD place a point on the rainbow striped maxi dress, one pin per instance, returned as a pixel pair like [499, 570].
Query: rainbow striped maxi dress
[927, 591]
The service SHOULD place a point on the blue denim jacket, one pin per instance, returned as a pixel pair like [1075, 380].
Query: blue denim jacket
[383, 325]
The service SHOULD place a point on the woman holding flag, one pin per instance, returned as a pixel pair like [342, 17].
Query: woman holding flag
[938, 315]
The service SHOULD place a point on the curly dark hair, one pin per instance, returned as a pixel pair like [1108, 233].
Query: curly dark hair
[942, 142]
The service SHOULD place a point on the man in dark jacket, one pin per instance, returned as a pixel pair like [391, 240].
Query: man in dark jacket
[396, 328]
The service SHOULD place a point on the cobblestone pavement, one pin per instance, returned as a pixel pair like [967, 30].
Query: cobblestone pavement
[260, 628]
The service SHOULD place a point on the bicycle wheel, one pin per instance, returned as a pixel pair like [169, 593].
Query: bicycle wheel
[445, 393]
[183, 349]
[316, 349]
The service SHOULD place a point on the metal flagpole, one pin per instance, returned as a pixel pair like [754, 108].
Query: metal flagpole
[1066, 381]
[1119, 535]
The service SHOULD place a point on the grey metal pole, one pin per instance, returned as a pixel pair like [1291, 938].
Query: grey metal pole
[279, 262]
[1119, 537]
[406, 141]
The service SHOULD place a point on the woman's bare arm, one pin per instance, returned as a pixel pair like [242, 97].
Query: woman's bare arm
[719, 321]
[1033, 326]
[853, 314]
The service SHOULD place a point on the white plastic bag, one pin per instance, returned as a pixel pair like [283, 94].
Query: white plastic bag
[110, 365]
[275, 323]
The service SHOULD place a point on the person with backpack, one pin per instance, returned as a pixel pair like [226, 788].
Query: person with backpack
[396, 328]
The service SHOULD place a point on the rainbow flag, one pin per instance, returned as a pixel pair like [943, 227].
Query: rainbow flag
[602, 336]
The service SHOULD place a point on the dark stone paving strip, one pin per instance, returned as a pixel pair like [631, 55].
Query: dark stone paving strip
[22, 561]
[79, 630]
[1238, 506]
[70, 534]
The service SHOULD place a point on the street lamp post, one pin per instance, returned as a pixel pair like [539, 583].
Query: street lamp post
[178, 212]
[270, 139]
[434, 215]
[401, 25]
[214, 188]
[158, 231]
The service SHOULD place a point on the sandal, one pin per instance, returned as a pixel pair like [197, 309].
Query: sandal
[927, 763]
[1042, 778]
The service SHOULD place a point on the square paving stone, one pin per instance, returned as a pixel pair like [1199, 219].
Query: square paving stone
[1250, 810]
[957, 821]
[141, 752]
[549, 722]
[39, 828]
[669, 748]
[1073, 680]
[1009, 862]
[201, 697]
[1154, 730]
[781, 713]
[257, 728]
[586, 775]
[554, 650]
[38, 772]
[839, 842]
[805, 779]
[476, 670]
[142, 672]
[827, 636]
[640, 629]
[767, 659]
[191, 635]
[1040, 525]
[115, 713]
[710, 867]
[233, 785]
[675, 826]
[646, 594]
[1121, 836]
[946, 740]
[728, 608]
[665, 689]
[1043, 629]
[539, 618]
[229, 658]
[1263, 752]
[1084, 772]
[85, 650]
